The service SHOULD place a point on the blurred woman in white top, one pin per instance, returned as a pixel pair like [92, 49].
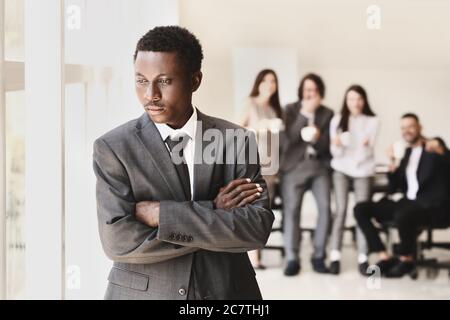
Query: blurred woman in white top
[263, 115]
[353, 134]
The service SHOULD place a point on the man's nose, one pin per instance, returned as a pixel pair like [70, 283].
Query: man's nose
[152, 93]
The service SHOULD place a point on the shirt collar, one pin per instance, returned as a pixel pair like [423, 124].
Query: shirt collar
[189, 128]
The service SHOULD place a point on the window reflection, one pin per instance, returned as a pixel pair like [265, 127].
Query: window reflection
[15, 193]
[15, 155]
[14, 30]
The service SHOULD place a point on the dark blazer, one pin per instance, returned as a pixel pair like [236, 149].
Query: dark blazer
[433, 175]
[198, 252]
[294, 147]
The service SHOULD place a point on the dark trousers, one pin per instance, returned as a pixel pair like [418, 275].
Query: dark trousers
[409, 217]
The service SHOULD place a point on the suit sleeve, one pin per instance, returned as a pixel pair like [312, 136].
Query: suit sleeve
[323, 144]
[397, 178]
[123, 238]
[199, 224]
[445, 158]
[294, 123]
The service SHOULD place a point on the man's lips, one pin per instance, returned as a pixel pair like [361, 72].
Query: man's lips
[154, 108]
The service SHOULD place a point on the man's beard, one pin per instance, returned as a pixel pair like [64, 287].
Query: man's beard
[415, 140]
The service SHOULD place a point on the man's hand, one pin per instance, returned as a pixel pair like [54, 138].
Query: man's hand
[147, 212]
[434, 146]
[237, 193]
[316, 135]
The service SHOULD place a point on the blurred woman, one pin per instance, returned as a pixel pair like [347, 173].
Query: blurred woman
[352, 133]
[263, 114]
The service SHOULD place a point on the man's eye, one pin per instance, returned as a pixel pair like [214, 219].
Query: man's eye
[164, 81]
[141, 81]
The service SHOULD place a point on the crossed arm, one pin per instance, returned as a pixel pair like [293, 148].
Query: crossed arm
[238, 220]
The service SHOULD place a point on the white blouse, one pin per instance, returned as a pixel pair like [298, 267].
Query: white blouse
[355, 159]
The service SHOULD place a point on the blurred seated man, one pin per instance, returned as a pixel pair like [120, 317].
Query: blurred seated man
[422, 177]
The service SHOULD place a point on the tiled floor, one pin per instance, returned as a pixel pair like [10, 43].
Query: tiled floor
[349, 284]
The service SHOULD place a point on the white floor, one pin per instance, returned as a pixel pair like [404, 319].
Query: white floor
[349, 284]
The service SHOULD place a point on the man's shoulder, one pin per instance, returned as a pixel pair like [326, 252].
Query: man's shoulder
[291, 105]
[121, 132]
[326, 110]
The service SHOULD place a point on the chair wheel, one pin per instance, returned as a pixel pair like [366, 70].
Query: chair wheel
[414, 275]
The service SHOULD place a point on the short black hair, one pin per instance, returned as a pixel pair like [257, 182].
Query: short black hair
[317, 80]
[411, 115]
[173, 39]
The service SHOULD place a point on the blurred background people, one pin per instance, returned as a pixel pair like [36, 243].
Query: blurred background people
[423, 178]
[264, 115]
[306, 165]
[353, 133]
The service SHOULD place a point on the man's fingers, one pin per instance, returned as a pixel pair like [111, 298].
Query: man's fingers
[249, 199]
[243, 187]
[242, 195]
[233, 184]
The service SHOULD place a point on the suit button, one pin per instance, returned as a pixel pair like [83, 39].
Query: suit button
[182, 291]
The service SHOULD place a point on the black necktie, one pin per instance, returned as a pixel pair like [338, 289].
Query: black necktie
[180, 162]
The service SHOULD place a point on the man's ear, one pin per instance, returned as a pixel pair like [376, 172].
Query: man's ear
[196, 80]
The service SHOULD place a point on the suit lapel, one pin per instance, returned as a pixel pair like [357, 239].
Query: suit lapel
[149, 136]
[425, 166]
[318, 117]
[202, 171]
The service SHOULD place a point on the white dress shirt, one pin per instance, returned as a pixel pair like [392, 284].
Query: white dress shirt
[411, 172]
[355, 159]
[190, 129]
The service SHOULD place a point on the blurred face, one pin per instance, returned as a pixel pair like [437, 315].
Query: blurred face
[310, 90]
[268, 86]
[411, 130]
[355, 102]
[164, 88]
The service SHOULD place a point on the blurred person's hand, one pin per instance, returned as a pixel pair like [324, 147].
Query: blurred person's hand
[391, 156]
[237, 193]
[366, 142]
[337, 141]
[316, 135]
[434, 146]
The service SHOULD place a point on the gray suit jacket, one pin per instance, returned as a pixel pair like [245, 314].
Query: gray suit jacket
[294, 147]
[132, 164]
